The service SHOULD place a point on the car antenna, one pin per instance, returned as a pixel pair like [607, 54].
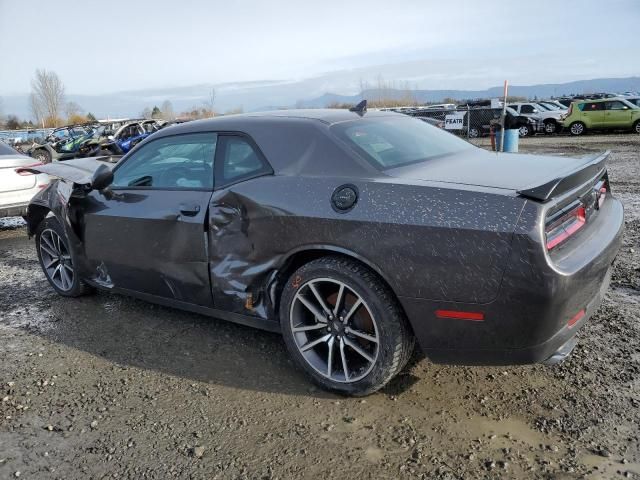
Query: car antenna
[360, 108]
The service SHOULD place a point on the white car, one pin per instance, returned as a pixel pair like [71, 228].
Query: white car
[547, 119]
[17, 188]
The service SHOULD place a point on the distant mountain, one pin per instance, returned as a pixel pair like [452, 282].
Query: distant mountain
[614, 85]
[310, 93]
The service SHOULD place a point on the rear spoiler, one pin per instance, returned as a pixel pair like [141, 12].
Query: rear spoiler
[78, 171]
[593, 168]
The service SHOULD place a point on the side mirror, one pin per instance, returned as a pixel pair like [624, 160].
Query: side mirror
[102, 178]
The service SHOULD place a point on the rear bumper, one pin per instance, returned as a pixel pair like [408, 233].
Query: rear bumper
[541, 305]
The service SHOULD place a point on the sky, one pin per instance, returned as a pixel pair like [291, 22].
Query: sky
[122, 45]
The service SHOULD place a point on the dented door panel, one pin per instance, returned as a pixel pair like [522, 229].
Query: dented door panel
[150, 241]
[256, 225]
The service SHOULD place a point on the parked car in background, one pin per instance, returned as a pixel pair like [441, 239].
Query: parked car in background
[17, 188]
[354, 234]
[62, 144]
[483, 118]
[548, 120]
[433, 121]
[603, 114]
[553, 105]
[440, 106]
[477, 121]
[129, 135]
[634, 100]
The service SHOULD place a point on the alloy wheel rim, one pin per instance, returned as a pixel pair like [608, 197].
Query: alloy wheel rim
[637, 127]
[524, 131]
[56, 260]
[576, 128]
[550, 127]
[334, 330]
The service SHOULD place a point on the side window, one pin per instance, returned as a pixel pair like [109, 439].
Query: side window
[180, 161]
[593, 107]
[615, 106]
[527, 109]
[237, 159]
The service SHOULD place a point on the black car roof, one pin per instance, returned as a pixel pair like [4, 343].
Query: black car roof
[292, 140]
[328, 116]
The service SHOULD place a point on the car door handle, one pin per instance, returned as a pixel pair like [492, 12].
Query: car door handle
[189, 209]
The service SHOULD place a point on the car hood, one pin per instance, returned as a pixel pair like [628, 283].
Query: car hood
[537, 176]
[78, 171]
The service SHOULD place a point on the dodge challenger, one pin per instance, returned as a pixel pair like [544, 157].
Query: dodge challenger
[355, 234]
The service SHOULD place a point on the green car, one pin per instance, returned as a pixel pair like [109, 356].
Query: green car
[606, 113]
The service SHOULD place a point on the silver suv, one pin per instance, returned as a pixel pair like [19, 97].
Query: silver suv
[549, 120]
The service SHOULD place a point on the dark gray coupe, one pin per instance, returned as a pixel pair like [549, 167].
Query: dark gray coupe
[352, 233]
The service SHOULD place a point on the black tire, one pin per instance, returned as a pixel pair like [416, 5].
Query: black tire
[636, 126]
[42, 155]
[577, 128]
[474, 132]
[550, 127]
[395, 340]
[524, 131]
[75, 287]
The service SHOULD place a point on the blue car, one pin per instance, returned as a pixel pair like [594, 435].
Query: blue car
[129, 135]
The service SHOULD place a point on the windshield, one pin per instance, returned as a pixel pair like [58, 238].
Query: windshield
[550, 106]
[388, 142]
[543, 107]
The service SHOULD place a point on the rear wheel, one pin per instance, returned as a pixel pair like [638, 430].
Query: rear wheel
[524, 131]
[474, 132]
[577, 128]
[550, 126]
[42, 155]
[57, 260]
[636, 126]
[343, 326]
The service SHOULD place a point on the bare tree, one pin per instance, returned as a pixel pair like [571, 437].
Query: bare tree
[167, 111]
[211, 99]
[72, 109]
[47, 97]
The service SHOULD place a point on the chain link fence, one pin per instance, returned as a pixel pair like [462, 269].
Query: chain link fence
[17, 137]
[473, 123]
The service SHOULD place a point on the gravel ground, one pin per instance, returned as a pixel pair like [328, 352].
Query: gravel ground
[109, 387]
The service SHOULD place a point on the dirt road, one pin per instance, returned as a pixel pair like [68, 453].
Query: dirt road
[109, 387]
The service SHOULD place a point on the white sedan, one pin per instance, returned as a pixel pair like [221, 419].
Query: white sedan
[17, 188]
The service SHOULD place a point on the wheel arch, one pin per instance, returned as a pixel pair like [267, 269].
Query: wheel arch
[36, 213]
[305, 254]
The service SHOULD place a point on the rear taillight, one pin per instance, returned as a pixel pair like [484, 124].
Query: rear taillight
[601, 189]
[564, 224]
[21, 171]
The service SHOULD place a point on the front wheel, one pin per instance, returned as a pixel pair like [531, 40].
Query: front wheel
[57, 260]
[343, 326]
[577, 128]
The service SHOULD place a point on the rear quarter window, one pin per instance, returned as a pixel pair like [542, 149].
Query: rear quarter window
[389, 142]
